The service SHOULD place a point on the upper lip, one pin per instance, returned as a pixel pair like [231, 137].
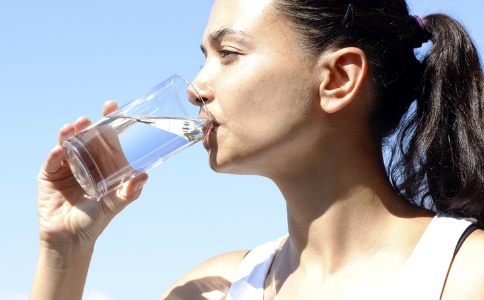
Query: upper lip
[211, 122]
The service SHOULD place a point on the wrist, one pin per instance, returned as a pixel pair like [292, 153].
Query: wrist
[61, 270]
[63, 255]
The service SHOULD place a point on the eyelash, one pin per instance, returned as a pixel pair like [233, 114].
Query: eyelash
[228, 56]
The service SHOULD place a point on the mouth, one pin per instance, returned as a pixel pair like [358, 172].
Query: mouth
[208, 129]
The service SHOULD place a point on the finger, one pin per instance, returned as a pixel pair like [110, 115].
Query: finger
[54, 160]
[116, 202]
[131, 190]
[109, 107]
[66, 132]
[82, 123]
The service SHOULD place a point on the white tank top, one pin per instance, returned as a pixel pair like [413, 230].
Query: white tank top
[425, 271]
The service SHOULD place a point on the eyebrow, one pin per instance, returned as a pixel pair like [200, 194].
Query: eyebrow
[219, 35]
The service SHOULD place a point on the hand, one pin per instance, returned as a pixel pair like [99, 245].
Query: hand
[66, 213]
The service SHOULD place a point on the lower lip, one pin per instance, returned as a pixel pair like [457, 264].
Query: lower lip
[206, 139]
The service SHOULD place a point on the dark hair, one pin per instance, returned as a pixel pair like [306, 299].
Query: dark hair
[439, 156]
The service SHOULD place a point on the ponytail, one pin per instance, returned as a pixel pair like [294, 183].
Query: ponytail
[442, 146]
[440, 161]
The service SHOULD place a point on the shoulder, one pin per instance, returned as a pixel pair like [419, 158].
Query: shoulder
[209, 280]
[466, 276]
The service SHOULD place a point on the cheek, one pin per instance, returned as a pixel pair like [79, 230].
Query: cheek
[261, 108]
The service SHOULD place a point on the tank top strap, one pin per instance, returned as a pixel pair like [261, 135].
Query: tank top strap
[423, 275]
[248, 282]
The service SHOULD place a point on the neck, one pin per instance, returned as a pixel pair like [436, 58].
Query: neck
[339, 209]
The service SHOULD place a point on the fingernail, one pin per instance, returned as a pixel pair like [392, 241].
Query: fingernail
[140, 185]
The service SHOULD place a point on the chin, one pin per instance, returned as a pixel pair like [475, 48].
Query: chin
[228, 164]
[220, 165]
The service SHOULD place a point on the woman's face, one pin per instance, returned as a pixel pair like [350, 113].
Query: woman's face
[260, 88]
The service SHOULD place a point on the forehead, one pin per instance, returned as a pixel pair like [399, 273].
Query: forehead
[242, 15]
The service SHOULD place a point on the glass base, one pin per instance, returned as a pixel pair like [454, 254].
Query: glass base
[83, 167]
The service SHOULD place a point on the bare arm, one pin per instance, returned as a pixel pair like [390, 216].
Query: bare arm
[70, 222]
[210, 280]
[61, 272]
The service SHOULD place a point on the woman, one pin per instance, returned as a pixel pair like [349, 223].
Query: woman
[304, 93]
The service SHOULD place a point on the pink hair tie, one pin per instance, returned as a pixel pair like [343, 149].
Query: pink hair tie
[424, 35]
[420, 23]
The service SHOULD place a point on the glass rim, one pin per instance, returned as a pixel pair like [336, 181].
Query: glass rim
[196, 91]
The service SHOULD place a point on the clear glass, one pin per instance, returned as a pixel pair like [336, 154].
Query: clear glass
[139, 136]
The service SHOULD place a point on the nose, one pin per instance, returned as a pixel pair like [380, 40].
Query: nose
[201, 94]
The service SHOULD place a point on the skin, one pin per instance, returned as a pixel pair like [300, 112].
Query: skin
[247, 138]
[297, 121]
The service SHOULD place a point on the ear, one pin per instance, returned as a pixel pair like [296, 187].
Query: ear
[343, 72]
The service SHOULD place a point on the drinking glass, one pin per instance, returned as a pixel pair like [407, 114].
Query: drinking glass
[139, 136]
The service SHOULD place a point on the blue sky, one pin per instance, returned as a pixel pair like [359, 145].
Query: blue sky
[63, 59]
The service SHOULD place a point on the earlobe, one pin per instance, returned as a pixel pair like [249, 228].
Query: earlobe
[342, 74]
